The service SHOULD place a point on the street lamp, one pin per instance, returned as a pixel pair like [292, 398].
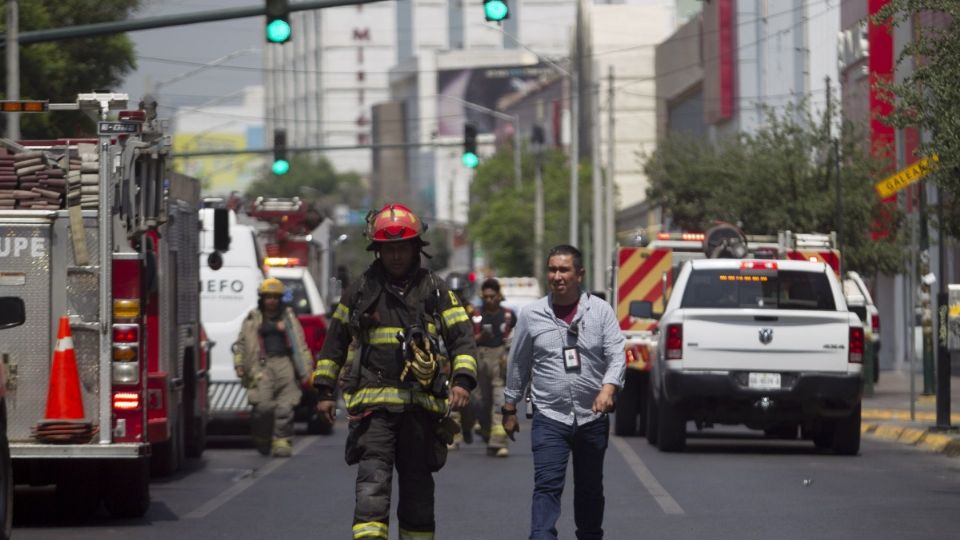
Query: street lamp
[152, 86]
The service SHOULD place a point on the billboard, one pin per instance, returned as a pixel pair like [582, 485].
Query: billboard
[481, 86]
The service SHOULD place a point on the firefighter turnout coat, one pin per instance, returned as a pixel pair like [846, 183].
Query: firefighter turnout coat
[248, 350]
[376, 315]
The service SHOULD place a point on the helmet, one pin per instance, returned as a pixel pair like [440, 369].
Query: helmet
[271, 285]
[394, 223]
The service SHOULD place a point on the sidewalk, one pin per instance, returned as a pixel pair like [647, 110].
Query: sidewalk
[886, 414]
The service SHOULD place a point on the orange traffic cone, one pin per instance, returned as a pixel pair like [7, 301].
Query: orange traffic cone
[63, 396]
[64, 418]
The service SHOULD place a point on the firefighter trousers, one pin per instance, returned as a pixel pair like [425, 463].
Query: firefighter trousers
[384, 440]
[488, 395]
[274, 392]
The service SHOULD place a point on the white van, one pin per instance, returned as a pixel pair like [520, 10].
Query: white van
[227, 294]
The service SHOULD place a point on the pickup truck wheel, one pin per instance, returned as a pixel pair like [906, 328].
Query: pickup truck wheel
[672, 433]
[876, 367]
[823, 435]
[653, 417]
[625, 418]
[128, 488]
[846, 434]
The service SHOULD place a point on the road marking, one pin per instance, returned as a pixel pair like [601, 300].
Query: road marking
[241, 486]
[640, 470]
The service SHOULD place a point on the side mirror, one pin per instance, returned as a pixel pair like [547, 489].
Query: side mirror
[215, 261]
[221, 229]
[12, 311]
[642, 309]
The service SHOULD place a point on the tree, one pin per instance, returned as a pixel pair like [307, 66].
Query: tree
[501, 215]
[58, 71]
[780, 178]
[929, 97]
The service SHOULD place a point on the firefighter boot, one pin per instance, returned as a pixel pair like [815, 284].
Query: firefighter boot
[281, 448]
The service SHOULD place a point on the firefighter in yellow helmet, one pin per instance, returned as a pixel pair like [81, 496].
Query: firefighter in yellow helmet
[272, 359]
[397, 394]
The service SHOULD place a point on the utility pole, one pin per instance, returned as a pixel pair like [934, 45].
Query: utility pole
[611, 232]
[538, 139]
[13, 65]
[943, 353]
[517, 148]
[574, 128]
[598, 225]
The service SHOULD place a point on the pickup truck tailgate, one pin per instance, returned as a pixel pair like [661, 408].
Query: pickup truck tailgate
[765, 340]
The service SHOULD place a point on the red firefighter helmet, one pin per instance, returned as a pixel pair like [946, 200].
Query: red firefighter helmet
[394, 223]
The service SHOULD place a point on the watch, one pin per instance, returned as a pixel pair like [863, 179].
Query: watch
[507, 412]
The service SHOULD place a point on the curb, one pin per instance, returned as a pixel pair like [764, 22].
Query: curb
[941, 443]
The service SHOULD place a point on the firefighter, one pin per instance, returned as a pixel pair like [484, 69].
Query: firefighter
[495, 324]
[459, 285]
[271, 357]
[396, 394]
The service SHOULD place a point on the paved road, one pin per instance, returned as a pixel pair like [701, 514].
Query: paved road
[736, 487]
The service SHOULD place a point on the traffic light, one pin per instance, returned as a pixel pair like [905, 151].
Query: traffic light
[496, 10]
[470, 157]
[280, 163]
[278, 21]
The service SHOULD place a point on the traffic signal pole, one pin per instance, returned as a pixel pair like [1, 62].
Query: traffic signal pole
[298, 149]
[13, 66]
[148, 23]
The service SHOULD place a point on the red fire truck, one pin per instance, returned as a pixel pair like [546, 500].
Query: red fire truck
[642, 280]
[100, 240]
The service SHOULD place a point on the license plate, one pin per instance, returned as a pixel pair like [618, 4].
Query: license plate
[764, 381]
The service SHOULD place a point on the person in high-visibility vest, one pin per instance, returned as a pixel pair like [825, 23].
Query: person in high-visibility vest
[396, 393]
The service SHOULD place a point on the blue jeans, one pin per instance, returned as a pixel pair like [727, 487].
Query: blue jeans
[553, 443]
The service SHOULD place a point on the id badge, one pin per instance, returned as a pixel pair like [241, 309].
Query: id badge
[571, 359]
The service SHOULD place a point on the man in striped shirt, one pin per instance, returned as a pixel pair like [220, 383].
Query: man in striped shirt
[568, 347]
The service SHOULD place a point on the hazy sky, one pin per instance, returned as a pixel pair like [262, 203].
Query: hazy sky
[165, 53]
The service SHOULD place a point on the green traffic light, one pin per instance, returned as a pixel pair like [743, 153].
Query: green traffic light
[495, 10]
[280, 167]
[470, 160]
[278, 31]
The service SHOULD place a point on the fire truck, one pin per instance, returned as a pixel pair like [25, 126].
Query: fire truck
[642, 280]
[100, 241]
[294, 237]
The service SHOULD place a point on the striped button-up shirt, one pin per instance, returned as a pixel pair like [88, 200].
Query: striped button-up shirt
[536, 356]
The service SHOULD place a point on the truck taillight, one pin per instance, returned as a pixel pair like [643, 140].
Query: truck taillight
[856, 345]
[125, 368]
[674, 339]
[758, 265]
[126, 401]
[875, 324]
[126, 333]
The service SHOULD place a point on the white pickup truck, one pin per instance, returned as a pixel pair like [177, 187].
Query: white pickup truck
[769, 344]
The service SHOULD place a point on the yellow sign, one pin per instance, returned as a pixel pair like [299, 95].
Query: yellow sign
[906, 176]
